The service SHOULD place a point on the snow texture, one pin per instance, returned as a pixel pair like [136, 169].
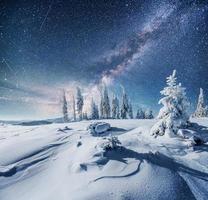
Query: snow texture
[65, 161]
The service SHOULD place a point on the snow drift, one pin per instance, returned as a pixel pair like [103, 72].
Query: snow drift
[65, 161]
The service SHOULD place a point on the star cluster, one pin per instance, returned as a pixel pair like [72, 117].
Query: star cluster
[53, 44]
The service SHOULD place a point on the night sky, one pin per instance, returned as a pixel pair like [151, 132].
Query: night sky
[49, 45]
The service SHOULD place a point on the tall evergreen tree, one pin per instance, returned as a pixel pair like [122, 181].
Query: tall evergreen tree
[140, 114]
[173, 114]
[130, 111]
[101, 103]
[201, 109]
[74, 109]
[148, 114]
[84, 116]
[80, 103]
[118, 110]
[124, 105]
[64, 108]
[106, 104]
[94, 110]
[115, 108]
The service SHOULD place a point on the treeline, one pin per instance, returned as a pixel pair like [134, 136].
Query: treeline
[115, 108]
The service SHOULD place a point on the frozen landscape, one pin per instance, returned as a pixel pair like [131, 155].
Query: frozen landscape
[104, 100]
[50, 162]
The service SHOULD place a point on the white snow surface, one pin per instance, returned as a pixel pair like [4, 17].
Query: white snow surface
[51, 162]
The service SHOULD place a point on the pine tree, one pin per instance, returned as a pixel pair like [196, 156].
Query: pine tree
[148, 114]
[74, 109]
[84, 116]
[64, 108]
[101, 104]
[201, 110]
[124, 105]
[173, 114]
[118, 110]
[80, 103]
[115, 108]
[106, 104]
[94, 110]
[140, 114]
[130, 111]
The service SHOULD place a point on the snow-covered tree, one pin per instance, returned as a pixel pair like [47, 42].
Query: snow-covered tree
[115, 107]
[130, 111]
[173, 114]
[80, 103]
[84, 116]
[106, 104]
[118, 112]
[64, 108]
[101, 108]
[73, 108]
[124, 105]
[101, 104]
[94, 113]
[140, 114]
[201, 109]
[148, 114]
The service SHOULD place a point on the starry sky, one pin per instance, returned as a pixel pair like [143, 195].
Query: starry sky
[50, 45]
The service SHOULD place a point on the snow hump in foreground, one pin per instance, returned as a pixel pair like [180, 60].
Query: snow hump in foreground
[65, 161]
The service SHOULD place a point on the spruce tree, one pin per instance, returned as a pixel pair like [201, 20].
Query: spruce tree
[124, 105]
[148, 114]
[115, 108]
[201, 109]
[101, 104]
[80, 103]
[94, 110]
[130, 111]
[173, 114]
[84, 116]
[140, 114]
[74, 109]
[106, 104]
[64, 108]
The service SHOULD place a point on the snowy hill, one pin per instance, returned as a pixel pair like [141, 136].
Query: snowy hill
[53, 162]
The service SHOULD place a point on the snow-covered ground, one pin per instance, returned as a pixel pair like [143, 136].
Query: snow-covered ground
[51, 162]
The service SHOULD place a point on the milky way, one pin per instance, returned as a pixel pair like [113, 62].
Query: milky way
[46, 46]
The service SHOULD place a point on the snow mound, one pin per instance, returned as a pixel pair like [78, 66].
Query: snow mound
[192, 137]
[98, 127]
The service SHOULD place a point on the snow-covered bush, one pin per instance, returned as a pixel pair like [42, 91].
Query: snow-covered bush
[173, 115]
[79, 143]
[192, 137]
[98, 127]
[111, 143]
